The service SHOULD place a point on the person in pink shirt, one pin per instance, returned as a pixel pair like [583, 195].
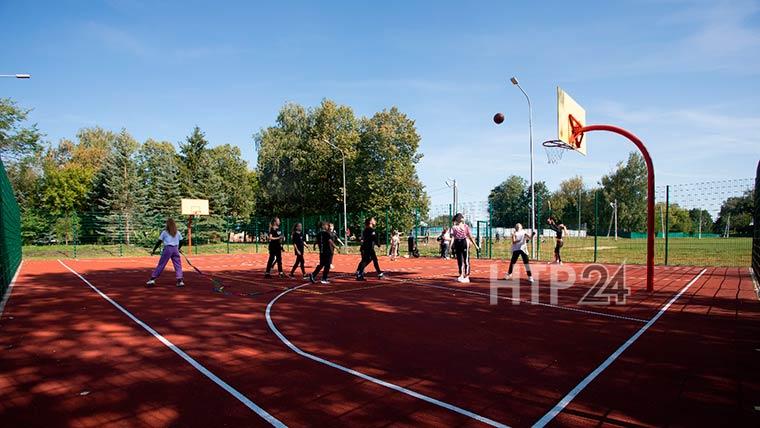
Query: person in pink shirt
[461, 233]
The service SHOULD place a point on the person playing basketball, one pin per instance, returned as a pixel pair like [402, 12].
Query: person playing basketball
[520, 239]
[560, 229]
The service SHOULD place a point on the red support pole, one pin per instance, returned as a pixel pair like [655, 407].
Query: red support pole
[650, 191]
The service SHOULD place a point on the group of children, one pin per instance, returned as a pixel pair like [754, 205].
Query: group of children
[457, 239]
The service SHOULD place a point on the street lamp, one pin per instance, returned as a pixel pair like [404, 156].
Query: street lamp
[452, 183]
[345, 217]
[532, 188]
[17, 76]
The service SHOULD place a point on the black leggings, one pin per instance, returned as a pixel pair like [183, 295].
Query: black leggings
[325, 260]
[515, 255]
[463, 256]
[368, 255]
[299, 262]
[274, 256]
[557, 247]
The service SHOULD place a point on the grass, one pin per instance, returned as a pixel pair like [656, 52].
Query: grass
[681, 251]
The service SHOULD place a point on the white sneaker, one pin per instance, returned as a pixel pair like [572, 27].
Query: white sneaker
[324, 282]
[150, 283]
[508, 277]
[530, 279]
[460, 279]
[466, 280]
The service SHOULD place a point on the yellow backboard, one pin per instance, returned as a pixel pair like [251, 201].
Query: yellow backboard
[569, 112]
[194, 206]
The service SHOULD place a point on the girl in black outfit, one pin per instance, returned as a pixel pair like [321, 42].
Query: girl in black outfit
[275, 248]
[298, 248]
[369, 241]
[326, 248]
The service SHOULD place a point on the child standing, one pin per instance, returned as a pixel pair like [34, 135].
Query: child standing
[298, 249]
[369, 242]
[520, 240]
[172, 240]
[275, 248]
[395, 242]
[461, 234]
[326, 249]
[445, 242]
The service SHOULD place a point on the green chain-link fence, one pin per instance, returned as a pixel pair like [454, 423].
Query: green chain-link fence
[10, 232]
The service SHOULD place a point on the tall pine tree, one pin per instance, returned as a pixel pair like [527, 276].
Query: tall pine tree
[123, 197]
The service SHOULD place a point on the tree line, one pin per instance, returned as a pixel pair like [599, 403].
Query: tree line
[627, 186]
[123, 184]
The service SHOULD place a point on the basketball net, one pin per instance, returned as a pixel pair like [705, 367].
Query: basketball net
[555, 149]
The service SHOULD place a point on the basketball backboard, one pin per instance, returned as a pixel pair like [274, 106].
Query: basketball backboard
[194, 206]
[570, 115]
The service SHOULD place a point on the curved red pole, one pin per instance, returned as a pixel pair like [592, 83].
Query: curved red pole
[650, 192]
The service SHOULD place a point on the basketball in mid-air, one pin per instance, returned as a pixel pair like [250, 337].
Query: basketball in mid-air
[498, 118]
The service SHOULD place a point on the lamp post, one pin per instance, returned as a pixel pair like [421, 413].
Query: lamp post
[17, 76]
[532, 188]
[345, 217]
[452, 183]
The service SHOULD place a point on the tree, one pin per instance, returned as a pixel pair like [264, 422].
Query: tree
[123, 197]
[159, 177]
[231, 181]
[300, 174]
[701, 220]
[568, 199]
[736, 212]
[678, 218]
[195, 172]
[628, 185]
[16, 140]
[507, 202]
[387, 154]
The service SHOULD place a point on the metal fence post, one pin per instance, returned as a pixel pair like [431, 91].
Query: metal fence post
[74, 234]
[121, 236]
[596, 224]
[667, 221]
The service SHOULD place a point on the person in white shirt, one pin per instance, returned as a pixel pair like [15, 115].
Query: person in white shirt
[520, 239]
[172, 241]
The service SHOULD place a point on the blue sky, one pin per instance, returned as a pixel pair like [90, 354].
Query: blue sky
[682, 75]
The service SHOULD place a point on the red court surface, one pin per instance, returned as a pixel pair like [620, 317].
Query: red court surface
[84, 344]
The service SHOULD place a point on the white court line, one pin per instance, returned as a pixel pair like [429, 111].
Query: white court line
[7, 294]
[584, 383]
[206, 372]
[372, 379]
[564, 308]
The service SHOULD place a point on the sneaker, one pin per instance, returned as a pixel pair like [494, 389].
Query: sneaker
[460, 279]
[282, 274]
[307, 277]
[180, 283]
[325, 282]
[360, 278]
[151, 282]
[508, 277]
[312, 279]
[466, 280]
[267, 275]
[530, 279]
[381, 275]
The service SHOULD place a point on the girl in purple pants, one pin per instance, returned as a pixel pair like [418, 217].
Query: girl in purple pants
[172, 240]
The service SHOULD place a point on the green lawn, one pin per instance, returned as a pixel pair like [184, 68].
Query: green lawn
[681, 251]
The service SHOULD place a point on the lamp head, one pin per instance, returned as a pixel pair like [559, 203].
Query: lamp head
[514, 81]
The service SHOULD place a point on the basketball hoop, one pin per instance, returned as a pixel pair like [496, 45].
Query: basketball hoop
[555, 149]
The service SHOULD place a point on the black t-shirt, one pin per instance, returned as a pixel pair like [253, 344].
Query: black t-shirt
[557, 229]
[323, 240]
[298, 241]
[275, 232]
[369, 238]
